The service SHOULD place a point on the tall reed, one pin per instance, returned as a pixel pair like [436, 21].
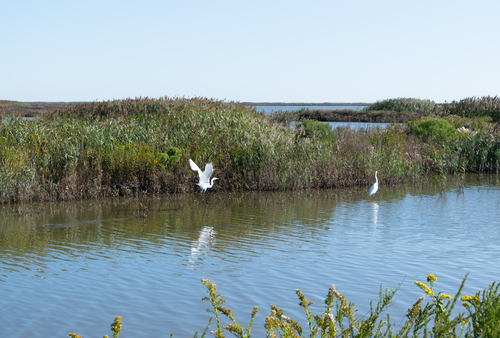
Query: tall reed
[475, 107]
[404, 105]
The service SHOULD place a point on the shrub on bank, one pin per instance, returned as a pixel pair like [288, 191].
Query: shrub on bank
[432, 129]
[474, 123]
[312, 129]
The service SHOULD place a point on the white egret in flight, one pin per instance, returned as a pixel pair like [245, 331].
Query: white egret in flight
[205, 182]
[374, 187]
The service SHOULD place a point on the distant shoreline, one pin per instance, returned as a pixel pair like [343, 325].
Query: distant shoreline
[35, 108]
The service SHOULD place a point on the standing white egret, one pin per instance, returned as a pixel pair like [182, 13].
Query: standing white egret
[205, 182]
[374, 187]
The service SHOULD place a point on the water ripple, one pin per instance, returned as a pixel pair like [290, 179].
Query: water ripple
[258, 249]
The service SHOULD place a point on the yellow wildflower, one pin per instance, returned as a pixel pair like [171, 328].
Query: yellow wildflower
[425, 288]
[445, 296]
[470, 299]
[431, 278]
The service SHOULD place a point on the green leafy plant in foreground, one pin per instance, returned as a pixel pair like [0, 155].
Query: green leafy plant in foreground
[484, 312]
[216, 301]
[339, 317]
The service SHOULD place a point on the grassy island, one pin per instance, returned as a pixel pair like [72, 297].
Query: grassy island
[143, 145]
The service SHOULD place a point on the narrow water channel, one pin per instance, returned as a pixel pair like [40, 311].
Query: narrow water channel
[73, 266]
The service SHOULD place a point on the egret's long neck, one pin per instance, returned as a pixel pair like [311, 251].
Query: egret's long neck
[211, 182]
[376, 179]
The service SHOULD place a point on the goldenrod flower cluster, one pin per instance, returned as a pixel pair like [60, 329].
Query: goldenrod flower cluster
[425, 288]
[469, 298]
[431, 278]
[445, 296]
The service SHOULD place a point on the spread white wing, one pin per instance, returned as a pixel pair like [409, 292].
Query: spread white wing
[194, 166]
[205, 176]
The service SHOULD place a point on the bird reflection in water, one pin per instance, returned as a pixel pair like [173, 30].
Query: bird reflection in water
[375, 212]
[206, 239]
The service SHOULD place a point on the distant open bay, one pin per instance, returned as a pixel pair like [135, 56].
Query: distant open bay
[270, 109]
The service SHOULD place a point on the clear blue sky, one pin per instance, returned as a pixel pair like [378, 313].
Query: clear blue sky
[289, 51]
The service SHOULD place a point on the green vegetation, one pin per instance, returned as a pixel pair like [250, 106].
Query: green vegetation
[143, 145]
[432, 128]
[339, 317]
[313, 129]
[452, 151]
[404, 105]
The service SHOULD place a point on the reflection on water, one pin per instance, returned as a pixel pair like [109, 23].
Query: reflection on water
[270, 109]
[204, 243]
[355, 125]
[359, 125]
[375, 212]
[74, 266]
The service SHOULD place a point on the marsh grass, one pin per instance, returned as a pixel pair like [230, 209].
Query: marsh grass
[404, 105]
[142, 146]
[339, 318]
[485, 106]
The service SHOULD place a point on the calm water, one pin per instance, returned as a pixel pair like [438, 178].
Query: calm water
[359, 125]
[355, 125]
[270, 109]
[72, 267]
[352, 125]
